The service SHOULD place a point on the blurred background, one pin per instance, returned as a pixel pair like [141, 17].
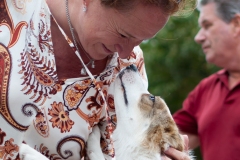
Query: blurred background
[175, 64]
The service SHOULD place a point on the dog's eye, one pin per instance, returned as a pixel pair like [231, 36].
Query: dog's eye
[152, 98]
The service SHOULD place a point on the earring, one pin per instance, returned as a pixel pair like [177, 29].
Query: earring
[84, 8]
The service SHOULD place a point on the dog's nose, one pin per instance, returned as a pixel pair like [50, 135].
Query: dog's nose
[132, 67]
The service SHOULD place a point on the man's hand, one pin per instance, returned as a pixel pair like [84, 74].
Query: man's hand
[173, 154]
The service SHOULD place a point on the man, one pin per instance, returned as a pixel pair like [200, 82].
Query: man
[210, 113]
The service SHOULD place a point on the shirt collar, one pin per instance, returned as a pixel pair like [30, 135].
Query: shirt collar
[223, 76]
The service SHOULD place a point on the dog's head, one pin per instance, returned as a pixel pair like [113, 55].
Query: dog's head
[132, 99]
[141, 113]
[129, 88]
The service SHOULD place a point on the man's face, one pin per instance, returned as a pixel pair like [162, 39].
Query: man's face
[215, 36]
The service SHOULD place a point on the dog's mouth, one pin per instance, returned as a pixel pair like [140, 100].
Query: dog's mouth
[128, 68]
[131, 67]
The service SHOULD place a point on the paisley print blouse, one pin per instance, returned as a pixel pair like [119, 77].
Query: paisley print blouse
[52, 115]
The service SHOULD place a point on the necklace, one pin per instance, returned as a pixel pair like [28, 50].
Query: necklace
[85, 70]
[91, 61]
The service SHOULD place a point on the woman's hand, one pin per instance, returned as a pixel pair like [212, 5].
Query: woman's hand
[173, 154]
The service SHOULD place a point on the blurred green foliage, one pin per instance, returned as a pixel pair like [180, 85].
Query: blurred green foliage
[175, 63]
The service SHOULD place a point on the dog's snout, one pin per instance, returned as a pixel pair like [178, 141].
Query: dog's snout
[132, 67]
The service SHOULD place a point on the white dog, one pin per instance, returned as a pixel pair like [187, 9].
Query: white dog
[145, 127]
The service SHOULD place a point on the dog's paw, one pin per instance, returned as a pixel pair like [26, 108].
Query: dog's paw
[93, 148]
[28, 153]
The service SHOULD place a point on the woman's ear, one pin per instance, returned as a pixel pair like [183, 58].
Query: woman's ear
[86, 2]
[236, 25]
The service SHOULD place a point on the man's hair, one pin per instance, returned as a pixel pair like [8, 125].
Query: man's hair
[226, 9]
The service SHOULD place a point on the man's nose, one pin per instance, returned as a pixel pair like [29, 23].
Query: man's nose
[200, 37]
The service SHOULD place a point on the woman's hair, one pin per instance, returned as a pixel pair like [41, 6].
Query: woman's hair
[226, 9]
[168, 6]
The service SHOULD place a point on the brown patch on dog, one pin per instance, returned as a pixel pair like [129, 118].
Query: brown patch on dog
[163, 129]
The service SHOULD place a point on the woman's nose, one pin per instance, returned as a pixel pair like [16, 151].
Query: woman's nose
[124, 50]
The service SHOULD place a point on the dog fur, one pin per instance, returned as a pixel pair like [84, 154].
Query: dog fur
[145, 127]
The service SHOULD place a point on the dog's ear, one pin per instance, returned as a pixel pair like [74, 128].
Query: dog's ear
[170, 132]
[154, 136]
[156, 133]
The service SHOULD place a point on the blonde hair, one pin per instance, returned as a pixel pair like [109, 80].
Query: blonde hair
[168, 6]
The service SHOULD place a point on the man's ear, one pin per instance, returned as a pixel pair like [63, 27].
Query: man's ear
[236, 24]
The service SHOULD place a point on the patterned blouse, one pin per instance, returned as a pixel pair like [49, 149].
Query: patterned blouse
[54, 116]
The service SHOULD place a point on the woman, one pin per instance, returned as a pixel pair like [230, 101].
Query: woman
[58, 58]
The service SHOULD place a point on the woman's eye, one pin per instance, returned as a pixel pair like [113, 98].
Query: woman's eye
[123, 36]
[152, 98]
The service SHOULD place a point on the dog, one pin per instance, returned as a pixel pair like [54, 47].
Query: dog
[145, 127]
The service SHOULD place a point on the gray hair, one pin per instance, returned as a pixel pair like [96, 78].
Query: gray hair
[226, 9]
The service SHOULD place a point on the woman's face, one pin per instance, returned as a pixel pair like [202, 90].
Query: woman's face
[103, 31]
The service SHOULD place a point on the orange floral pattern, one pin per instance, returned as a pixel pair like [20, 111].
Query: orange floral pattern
[46, 152]
[76, 92]
[60, 117]
[7, 150]
[41, 123]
